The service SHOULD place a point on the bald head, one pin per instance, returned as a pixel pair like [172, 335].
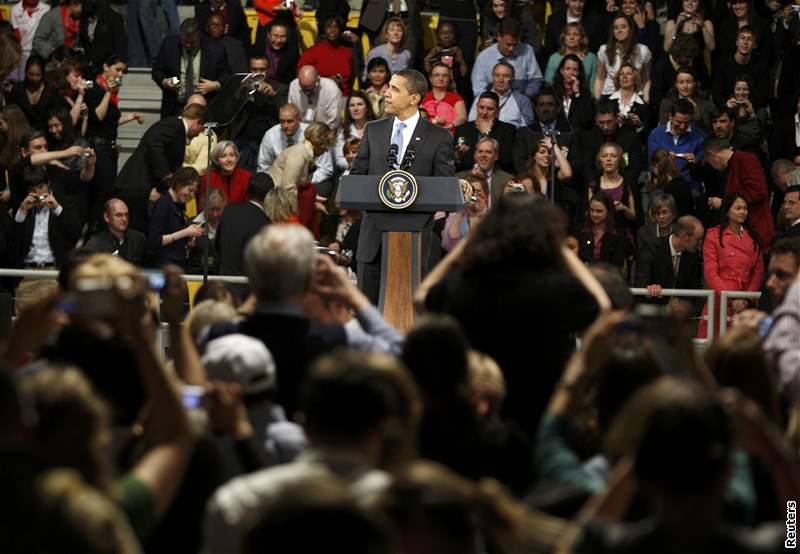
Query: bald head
[116, 217]
[307, 76]
[289, 119]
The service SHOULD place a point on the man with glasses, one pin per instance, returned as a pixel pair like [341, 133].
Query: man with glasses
[317, 98]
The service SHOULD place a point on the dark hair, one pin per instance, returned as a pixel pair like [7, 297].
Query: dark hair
[751, 86]
[510, 26]
[789, 245]
[748, 29]
[416, 83]
[356, 94]
[377, 62]
[605, 199]
[184, 176]
[435, 353]
[544, 90]
[504, 63]
[258, 187]
[68, 129]
[519, 229]
[793, 188]
[558, 80]
[491, 95]
[35, 175]
[714, 144]
[114, 59]
[716, 113]
[190, 28]
[607, 107]
[628, 47]
[727, 202]
[614, 284]
[681, 105]
[673, 95]
[30, 136]
[34, 59]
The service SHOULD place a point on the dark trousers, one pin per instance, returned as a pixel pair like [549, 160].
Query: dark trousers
[369, 279]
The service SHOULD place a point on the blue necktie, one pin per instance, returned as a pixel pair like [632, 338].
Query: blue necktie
[397, 138]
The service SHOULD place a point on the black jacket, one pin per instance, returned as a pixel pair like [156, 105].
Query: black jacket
[213, 66]
[239, 223]
[63, 232]
[109, 38]
[503, 133]
[160, 152]
[131, 250]
[628, 139]
[614, 250]
[654, 267]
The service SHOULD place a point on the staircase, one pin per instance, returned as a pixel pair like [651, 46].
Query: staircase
[138, 94]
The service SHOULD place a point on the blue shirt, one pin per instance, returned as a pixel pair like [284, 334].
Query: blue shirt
[689, 142]
[527, 75]
[515, 108]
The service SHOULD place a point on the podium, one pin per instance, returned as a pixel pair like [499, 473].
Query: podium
[401, 245]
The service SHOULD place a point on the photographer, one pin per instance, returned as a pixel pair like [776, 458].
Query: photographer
[45, 228]
[458, 224]
[101, 131]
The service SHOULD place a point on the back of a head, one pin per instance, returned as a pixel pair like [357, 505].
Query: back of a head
[208, 312]
[614, 284]
[679, 437]
[520, 229]
[435, 353]
[349, 395]
[260, 184]
[311, 515]
[279, 261]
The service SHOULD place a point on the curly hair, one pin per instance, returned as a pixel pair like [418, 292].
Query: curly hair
[521, 230]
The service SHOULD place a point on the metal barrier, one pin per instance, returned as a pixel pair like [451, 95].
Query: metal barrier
[724, 296]
[52, 273]
[690, 293]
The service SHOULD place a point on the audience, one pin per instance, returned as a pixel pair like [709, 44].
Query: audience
[251, 441]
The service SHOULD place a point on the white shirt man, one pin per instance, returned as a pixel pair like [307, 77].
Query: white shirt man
[276, 141]
[317, 98]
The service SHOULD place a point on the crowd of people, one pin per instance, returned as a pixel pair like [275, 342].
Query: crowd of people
[613, 144]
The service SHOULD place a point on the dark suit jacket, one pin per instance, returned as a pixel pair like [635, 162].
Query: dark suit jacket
[781, 142]
[792, 232]
[109, 38]
[654, 267]
[132, 250]
[258, 116]
[434, 157]
[293, 341]
[213, 66]
[237, 20]
[499, 180]
[614, 250]
[63, 232]
[239, 223]
[160, 152]
[504, 133]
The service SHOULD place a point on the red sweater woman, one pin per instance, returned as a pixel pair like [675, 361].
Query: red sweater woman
[226, 175]
[330, 57]
[732, 258]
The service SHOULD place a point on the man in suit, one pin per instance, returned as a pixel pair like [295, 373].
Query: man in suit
[486, 123]
[672, 262]
[790, 210]
[199, 64]
[241, 222]
[487, 152]
[743, 175]
[117, 238]
[159, 154]
[45, 228]
[433, 149]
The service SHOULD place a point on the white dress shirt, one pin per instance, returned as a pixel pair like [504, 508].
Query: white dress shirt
[40, 251]
[408, 132]
[275, 142]
[325, 104]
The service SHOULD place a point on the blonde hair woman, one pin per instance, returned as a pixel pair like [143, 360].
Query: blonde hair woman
[292, 167]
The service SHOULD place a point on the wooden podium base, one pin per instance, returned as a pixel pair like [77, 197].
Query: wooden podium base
[401, 268]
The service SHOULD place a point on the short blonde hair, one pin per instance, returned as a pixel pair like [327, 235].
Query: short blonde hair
[281, 204]
[207, 313]
[320, 135]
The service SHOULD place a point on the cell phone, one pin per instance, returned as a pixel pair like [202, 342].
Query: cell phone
[192, 396]
[680, 155]
[517, 187]
[329, 252]
[175, 81]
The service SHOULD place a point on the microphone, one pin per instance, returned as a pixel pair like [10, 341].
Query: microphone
[408, 157]
[391, 158]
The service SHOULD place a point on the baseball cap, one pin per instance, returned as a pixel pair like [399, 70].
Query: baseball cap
[241, 359]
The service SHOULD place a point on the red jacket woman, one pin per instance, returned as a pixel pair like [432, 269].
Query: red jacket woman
[732, 261]
[231, 179]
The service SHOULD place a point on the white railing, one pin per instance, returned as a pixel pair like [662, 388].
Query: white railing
[691, 293]
[724, 297]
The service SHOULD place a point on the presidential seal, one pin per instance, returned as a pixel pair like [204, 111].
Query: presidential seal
[398, 189]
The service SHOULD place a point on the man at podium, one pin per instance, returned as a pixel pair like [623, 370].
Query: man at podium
[406, 141]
